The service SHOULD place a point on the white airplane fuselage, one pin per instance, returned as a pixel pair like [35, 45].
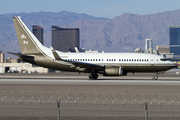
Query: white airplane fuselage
[108, 64]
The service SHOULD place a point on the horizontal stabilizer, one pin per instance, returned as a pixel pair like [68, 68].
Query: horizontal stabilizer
[17, 54]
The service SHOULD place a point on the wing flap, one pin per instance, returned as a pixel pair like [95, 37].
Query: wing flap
[87, 66]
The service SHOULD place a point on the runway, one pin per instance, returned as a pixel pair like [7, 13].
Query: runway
[106, 97]
[133, 86]
[62, 81]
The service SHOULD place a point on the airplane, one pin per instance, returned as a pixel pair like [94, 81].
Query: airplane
[107, 64]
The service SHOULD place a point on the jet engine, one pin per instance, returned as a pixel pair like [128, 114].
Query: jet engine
[114, 71]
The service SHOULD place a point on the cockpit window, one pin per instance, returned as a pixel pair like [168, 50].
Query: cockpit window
[162, 59]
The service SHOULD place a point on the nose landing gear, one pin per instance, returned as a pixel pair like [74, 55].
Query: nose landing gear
[93, 76]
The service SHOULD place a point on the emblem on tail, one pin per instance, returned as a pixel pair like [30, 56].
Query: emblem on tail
[23, 37]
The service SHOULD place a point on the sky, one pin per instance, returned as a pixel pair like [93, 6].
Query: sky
[97, 8]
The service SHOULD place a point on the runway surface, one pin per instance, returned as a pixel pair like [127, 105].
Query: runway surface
[63, 81]
[133, 86]
[106, 98]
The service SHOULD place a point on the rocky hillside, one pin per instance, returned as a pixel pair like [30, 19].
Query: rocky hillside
[121, 34]
[127, 32]
[44, 19]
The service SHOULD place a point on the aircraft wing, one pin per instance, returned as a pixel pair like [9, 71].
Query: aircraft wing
[82, 66]
[87, 66]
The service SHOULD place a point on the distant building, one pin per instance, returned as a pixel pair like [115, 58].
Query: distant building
[162, 50]
[92, 51]
[21, 68]
[139, 50]
[165, 52]
[38, 32]
[12, 60]
[150, 51]
[1, 57]
[174, 31]
[156, 52]
[148, 44]
[82, 49]
[65, 39]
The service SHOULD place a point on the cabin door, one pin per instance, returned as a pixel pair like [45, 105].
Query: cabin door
[152, 60]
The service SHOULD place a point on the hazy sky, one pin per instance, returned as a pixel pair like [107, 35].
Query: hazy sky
[98, 8]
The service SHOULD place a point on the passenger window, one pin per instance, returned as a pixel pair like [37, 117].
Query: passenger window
[132, 59]
[129, 59]
[124, 59]
[114, 59]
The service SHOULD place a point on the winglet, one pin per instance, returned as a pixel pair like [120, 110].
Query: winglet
[56, 56]
[76, 49]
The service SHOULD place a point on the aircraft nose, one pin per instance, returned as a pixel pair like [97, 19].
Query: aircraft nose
[172, 64]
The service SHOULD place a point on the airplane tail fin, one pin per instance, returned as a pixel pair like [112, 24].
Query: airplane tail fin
[28, 43]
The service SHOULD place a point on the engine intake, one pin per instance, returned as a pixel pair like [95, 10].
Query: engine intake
[113, 71]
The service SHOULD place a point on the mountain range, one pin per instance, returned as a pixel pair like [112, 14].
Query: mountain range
[123, 33]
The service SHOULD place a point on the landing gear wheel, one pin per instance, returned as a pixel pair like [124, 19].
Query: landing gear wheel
[93, 76]
[155, 78]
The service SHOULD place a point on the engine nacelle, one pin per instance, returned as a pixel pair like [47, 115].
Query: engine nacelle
[113, 71]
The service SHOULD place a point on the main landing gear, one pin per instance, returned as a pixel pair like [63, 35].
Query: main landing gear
[155, 77]
[93, 76]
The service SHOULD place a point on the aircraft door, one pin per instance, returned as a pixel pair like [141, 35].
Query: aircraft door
[152, 60]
